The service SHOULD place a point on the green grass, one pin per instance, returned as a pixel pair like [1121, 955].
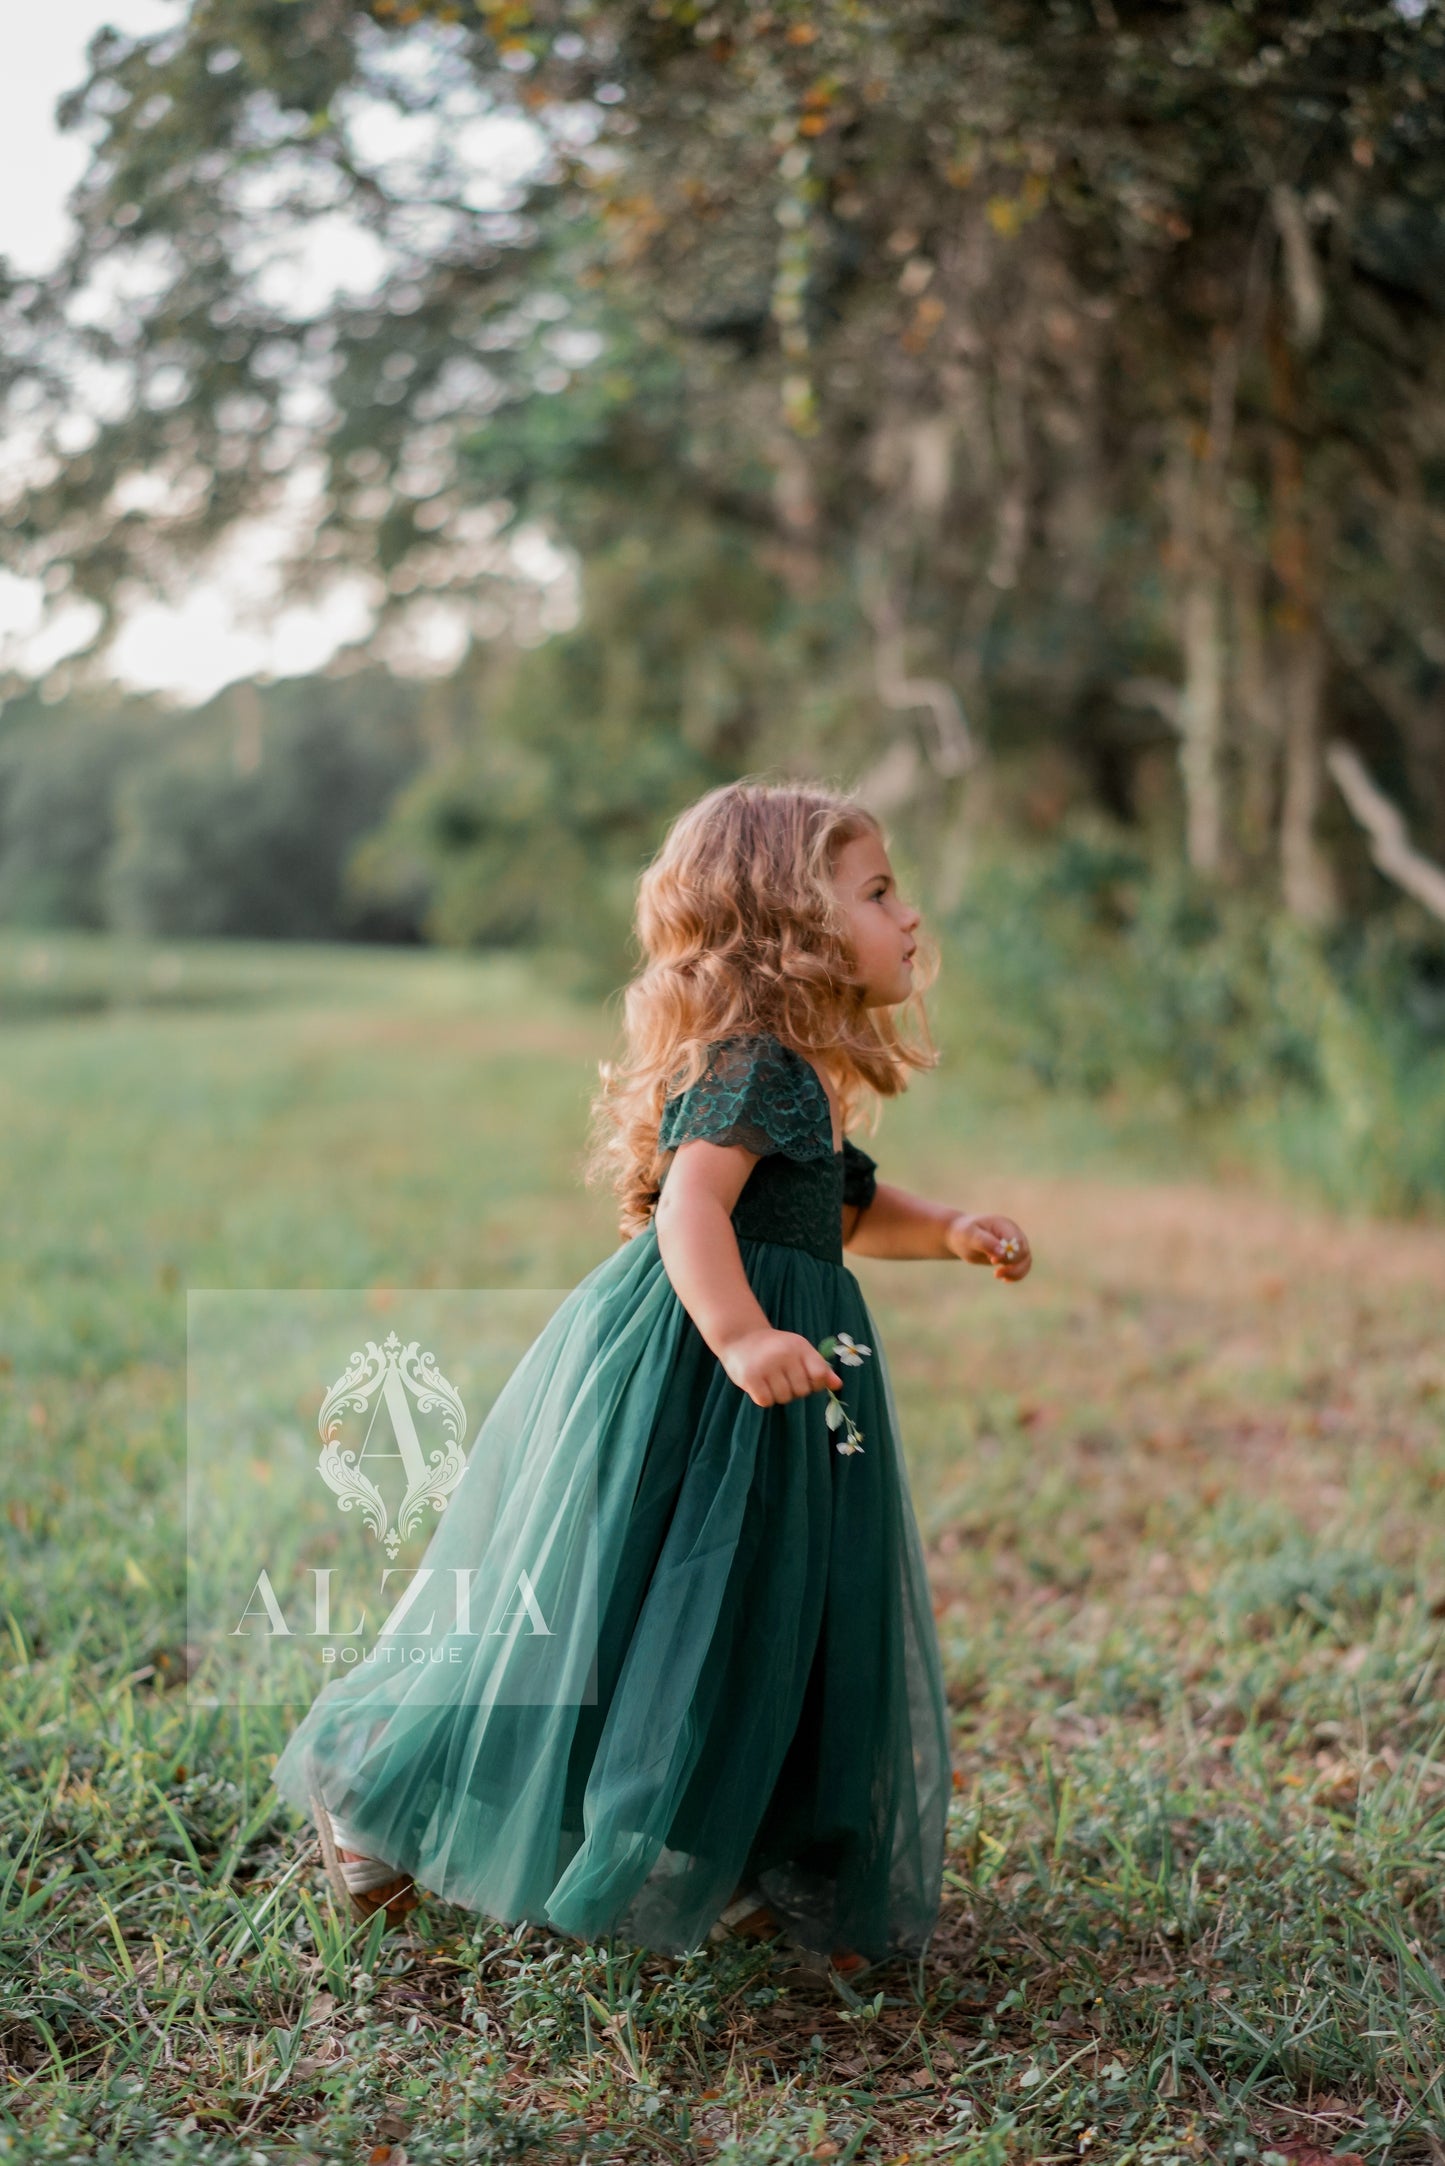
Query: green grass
[1181, 1493]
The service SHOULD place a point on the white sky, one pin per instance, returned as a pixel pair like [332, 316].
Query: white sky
[232, 622]
[44, 57]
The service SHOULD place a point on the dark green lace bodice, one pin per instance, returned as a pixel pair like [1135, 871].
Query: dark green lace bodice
[758, 1092]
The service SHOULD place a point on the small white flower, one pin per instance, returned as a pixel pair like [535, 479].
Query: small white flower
[842, 1346]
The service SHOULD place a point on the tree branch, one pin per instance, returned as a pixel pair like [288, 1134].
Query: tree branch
[956, 749]
[1390, 844]
[1302, 272]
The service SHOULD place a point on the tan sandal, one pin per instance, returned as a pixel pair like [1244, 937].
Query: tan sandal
[747, 1917]
[362, 1885]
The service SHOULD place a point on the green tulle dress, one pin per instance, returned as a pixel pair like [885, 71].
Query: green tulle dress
[728, 1670]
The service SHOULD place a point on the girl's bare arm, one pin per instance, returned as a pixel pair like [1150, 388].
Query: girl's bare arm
[700, 1254]
[901, 1225]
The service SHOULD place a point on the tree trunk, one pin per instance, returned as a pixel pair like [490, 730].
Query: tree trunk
[1196, 521]
[1254, 705]
[1201, 720]
[1306, 877]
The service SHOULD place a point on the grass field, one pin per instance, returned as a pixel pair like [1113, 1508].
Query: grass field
[1182, 1497]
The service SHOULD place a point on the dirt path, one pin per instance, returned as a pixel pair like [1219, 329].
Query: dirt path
[1189, 1373]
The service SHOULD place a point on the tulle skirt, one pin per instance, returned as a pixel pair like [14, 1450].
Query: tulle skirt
[672, 1643]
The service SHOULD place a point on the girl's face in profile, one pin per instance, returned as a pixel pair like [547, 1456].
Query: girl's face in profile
[881, 926]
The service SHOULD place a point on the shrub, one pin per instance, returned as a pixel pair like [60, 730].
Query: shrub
[1100, 970]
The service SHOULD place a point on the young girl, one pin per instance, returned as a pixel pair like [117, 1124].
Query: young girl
[699, 1689]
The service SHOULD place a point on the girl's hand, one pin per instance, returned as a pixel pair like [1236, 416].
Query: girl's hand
[773, 1367]
[996, 1241]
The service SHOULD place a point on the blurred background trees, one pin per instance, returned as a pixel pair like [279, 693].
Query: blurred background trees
[1031, 414]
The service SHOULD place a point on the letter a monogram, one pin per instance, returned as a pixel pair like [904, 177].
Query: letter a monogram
[392, 1378]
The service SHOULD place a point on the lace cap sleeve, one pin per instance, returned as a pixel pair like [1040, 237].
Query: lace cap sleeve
[755, 1091]
[860, 1175]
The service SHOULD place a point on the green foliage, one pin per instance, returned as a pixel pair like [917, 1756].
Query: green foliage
[204, 849]
[1100, 968]
[237, 819]
[604, 457]
[580, 751]
[1101, 971]
[925, 305]
[60, 773]
[534, 836]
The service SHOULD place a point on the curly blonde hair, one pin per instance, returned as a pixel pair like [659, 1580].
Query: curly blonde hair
[740, 932]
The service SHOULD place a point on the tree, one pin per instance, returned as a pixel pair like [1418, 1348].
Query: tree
[60, 774]
[1085, 384]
